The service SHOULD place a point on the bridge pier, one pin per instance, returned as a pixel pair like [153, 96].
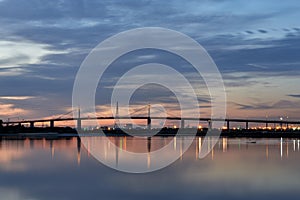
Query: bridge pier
[182, 123]
[52, 124]
[267, 125]
[149, 118]
[149, 123]
[209, 124]
[228, 125]
[247, 125]
[79, 121]
[31, 124]
[79, 124]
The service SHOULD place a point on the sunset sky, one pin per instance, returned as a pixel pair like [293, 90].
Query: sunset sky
[255, 44]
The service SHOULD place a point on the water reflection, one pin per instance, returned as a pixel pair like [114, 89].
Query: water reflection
[256, 168]
[14, 149]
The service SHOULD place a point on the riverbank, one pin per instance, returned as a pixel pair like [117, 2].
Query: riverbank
[65, 132]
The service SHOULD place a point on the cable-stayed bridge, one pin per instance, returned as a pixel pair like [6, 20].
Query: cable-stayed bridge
[144, 113]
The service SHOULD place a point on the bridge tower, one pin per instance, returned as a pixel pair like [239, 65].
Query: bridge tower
[149, 117]
[117, 116]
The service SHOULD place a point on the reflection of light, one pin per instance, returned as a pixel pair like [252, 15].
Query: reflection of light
[181, 149]
[174, 143]
[281, 148]
[287, 149]
[125, 143]
[294, 141]
[224, 144]
[267, 150]
[298, 144]
[78, 158]
[199, 145]
[148, 161]
[212, 154]
[121, 144]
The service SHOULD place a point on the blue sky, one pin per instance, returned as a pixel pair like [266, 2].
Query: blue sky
[255, 45]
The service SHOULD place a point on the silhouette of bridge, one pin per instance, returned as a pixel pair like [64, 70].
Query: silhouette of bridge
[149, 119]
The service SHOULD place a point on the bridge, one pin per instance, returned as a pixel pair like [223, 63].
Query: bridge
[149, 118]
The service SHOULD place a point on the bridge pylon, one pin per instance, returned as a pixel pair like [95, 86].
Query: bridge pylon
[116, 125]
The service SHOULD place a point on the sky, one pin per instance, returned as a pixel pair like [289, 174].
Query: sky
[255, 45]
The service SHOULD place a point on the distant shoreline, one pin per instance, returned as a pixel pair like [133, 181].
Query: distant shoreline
[60, 132]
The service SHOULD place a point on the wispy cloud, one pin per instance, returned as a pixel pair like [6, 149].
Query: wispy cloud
[294, 95]
[21, 52]
[16, 97]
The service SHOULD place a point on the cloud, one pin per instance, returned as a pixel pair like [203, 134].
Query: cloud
[16, 97]
[294, 95]
[11, 110]
[281, 104]
[43, 44]
[21, 52]
[262, 31]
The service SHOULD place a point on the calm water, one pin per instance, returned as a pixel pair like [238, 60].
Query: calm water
[235, 169]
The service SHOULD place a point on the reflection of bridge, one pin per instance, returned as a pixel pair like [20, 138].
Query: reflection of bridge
[148, 119]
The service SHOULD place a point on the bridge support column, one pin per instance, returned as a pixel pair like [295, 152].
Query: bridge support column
[79, 121]
[149, 123]
[52, 124]
[149, 118]
[79, 124]
[182, 123]
[209, 124]
[247, 125]
[267, 125]
[31, 124]
[228, 125]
